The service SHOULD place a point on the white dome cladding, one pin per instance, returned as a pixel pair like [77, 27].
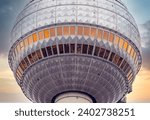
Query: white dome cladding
[112, 14]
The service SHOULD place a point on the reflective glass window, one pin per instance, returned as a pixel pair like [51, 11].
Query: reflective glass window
[112, 56]
[123, 64]
[107, 52]
[31, 59]
[111, 37]
[21, 66]
[84, 50]
[126, 67]
[72, 30]
[44, 52]
[38, 52]
[34, 37]
[116, 59]
[79, 47]
[93, 32]
[52, 32]
[54, 49]
[102, 52]
[61, 50]
[130, 77]
[66, 30]
[18, 74]
[59, 31]
[96, 52]
[120, 61]
[66, 47]
[20, 70]
[46, 33]
[27, 61]
[41, 35]
[130, 72]
[72, 47]
[90, 49]
[35, 57]
[49, 50]
[86, 31]
[24, 64]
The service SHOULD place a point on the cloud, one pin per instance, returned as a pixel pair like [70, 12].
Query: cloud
[145, 41]
[141, 88]
[13, 98]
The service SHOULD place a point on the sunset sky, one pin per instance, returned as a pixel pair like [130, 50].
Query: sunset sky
[10, 91]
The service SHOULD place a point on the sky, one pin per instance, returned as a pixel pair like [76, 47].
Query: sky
[10, 91]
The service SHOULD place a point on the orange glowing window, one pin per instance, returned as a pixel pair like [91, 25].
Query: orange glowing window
[111, 37]
[30, 39]
[80, 30]
[18, 48]
[59, 31]
[129, 49]
[18, 74]
[41, 36]
[66, 30]
[72, 30]
[106, 34]
[52, 32]
[15, 53]
[21, 45]
[125, 46]
[121, 42]
[35, 57]
[132, 52]
[26, 42]
[93, 32]
[134, 57]
[99, 34]
[86, 31]
[20, 70]
[46, 33]
[34, 37]
[116, 40]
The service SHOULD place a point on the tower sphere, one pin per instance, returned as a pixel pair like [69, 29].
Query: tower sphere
[75, 50]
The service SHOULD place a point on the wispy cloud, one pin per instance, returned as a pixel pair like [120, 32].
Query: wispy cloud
[141, 87]
[145, 41]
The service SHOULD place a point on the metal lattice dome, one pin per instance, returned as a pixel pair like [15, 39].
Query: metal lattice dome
[75, 48]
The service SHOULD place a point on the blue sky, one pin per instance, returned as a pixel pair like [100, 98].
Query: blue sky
[140, 9]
